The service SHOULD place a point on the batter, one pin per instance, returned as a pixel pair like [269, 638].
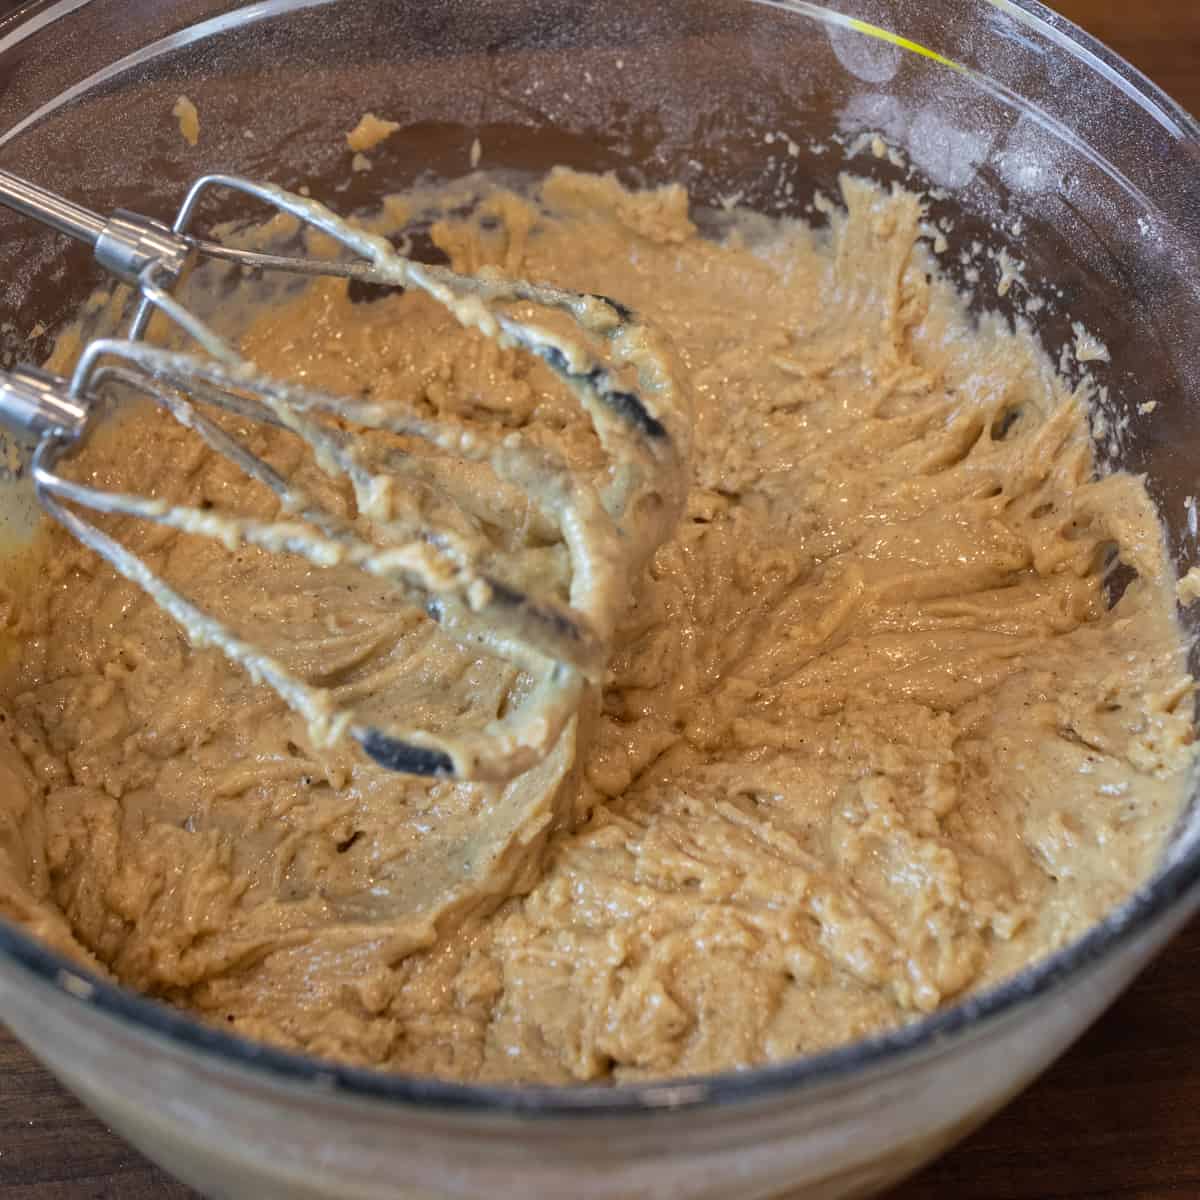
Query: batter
[874, 734]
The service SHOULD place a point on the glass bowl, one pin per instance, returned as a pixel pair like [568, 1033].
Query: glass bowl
[1032, 136]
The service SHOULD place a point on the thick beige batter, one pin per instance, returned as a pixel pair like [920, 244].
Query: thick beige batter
[871, 738]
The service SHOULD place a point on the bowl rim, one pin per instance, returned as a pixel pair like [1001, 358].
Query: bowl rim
[1175, 888]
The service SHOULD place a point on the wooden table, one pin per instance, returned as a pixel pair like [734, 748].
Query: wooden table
[1119, 1116]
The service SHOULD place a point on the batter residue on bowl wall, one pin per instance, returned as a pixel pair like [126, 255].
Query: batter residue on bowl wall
[873, 735]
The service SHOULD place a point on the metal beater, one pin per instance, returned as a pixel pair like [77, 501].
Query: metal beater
[608, 529]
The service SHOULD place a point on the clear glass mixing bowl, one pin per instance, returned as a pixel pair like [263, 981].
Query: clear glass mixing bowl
[1036, 140]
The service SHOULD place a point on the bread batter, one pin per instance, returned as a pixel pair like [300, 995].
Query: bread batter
[872, 737]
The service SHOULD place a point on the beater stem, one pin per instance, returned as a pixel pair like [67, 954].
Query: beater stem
[51, 209]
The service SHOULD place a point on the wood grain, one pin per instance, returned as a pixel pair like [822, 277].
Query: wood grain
[1159, 37]
[1118, 1117]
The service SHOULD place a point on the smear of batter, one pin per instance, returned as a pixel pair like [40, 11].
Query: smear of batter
[188, 116]
[369, 132]
[874, 735]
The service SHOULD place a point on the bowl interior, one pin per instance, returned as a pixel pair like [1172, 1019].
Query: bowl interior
[1036, 148]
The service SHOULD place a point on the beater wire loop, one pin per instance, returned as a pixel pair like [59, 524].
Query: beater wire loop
[607, 525]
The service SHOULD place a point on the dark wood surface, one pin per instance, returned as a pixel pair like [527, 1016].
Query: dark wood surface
[1119, 1116]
